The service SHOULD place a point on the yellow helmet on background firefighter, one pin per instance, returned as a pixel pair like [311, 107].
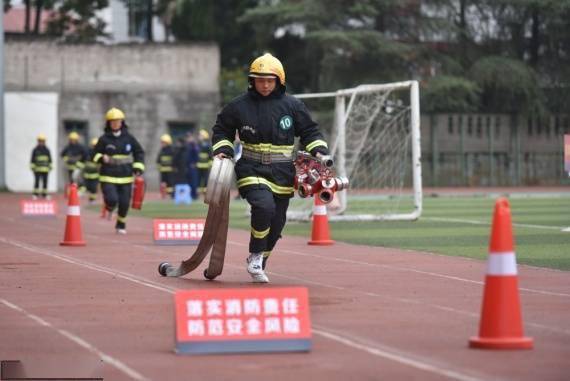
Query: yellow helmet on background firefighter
[114, 114]
[204, 135]
[167, 139]
[41, 138]
[93, 142]
[267, 65]
[73, 136]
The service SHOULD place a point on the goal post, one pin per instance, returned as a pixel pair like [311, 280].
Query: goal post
[374, 137]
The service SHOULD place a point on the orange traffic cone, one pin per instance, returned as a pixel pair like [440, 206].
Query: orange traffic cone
[320, 234]
[73, 236]
[501, 320]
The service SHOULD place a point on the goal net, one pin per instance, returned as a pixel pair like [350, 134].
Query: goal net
[374, 136]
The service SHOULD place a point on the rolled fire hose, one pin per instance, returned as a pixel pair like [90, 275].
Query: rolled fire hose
[216, 226]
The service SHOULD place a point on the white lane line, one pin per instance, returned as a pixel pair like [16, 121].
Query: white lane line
[357, 262]
[91, 266]
[161, 287]
[405, 300]
[476, 222]
[426, 365]
[390, 354]
[392, 267]
[133, 374]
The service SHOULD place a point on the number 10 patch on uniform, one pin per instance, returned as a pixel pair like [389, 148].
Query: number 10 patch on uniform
[286, 122]
[251, 320]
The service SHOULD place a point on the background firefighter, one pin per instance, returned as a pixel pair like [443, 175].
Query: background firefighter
[121, 156]
[74, 155]
[267, 120]
[204, 160]
[91, 172]
[165, 161]
[40, 164]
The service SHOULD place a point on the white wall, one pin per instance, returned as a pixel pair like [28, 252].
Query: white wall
[27, 114]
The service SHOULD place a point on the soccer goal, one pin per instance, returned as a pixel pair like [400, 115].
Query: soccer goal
[374, 136]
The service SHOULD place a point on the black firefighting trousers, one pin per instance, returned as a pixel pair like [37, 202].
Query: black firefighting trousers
[203, 174]
[168, 179]
[43, 177]
[120, 194]
[268, 216]
[91, 185]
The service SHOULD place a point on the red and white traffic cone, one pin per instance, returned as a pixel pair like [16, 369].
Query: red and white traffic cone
[73, 236]
[501, 321]
[320, 234]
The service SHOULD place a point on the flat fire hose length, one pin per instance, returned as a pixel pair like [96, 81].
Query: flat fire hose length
[216, 226]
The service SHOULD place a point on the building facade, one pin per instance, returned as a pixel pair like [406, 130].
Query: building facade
[162, 88]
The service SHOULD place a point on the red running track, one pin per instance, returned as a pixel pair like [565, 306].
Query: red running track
[103, 310]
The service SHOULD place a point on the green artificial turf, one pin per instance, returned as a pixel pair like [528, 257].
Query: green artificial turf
[458, 226]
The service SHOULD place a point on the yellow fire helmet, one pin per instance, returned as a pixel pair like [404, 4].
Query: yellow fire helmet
[166, 139]
[114, 114]
[41, 138]
[204, 134]
[73, 136]
[93, 142]
[267, 65]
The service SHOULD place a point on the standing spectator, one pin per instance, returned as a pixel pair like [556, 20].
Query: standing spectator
[192, 161]
[40, 164]
[204, 160]
[165, 161]
[179, 162]
[74, 156]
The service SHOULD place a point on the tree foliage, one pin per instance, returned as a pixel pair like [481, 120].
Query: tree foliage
[448, 93]
[508, 85]
[76, 20]
[486, 55]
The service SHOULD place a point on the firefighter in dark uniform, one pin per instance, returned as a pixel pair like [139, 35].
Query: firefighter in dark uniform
[121, 156]
[40, 164]
[74, 156]
[165, 161]
[204, 160]
[267, 120]
[91, 172]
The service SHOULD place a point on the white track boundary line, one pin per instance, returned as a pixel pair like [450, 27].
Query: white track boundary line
[418, 364]
[390, 354]
[91, 266]
[356, 262]
[391, 267]
[444, 308]
[475, 222]
[117, 364]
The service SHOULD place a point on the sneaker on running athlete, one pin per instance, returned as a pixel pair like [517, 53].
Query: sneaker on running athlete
[121, 231]
[255, 268]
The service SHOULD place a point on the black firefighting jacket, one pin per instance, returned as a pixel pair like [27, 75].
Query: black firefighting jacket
[41, 159]
[266, 125]
[127, 156]
[204, 155]
[91, 170]
[165, 159]
[74, 156]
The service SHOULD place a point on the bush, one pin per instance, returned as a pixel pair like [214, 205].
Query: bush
[508, 86]
[450, 94]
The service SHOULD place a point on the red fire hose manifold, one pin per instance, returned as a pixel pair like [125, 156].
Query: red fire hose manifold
[315, 176]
